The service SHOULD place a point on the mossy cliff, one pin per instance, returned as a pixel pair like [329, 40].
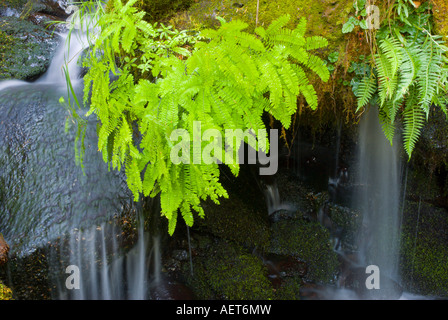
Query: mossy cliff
[424, 249]
[27, 43]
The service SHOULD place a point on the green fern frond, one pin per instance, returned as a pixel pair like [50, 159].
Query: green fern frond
[392, 49]
[277, 25]
[227, 82]
[429, 74]
[414, 120]
[387, 125]
[365, 91]
[317, 65]
[316, 42]
[387, 81]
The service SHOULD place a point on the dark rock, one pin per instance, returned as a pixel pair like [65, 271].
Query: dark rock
[285, 266]
[181, 255]
[47, 21]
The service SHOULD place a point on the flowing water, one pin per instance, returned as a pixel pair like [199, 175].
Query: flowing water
[379, 198]
[45, 196]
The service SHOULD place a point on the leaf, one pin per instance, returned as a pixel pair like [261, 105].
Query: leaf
[348, 27]
[366, 89]
[414, 119]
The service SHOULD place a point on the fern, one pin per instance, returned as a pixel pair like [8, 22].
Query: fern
[226, 82]
[409, 77]
[366, 89]
[414, 120]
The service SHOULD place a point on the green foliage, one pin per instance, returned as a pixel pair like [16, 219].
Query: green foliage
[291, 237]
[409, 75]
[353, 21]
[5, 292]
[227, 81]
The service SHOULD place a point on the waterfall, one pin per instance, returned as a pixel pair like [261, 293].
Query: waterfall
[378, 199]
[66, 57]
[48, 199]
[105, 272]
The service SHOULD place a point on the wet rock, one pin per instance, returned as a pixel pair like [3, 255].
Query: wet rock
[47, 21]
[168, 289]
[55, 8]
[30, 49]
[388, 288]
[4, 250]
[285, 266]
[306, 241]
[181, 255]
[424, 249]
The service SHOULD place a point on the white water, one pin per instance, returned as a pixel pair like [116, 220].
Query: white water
[66, 57]
[105, 272]
[379, 197]
[273, 201]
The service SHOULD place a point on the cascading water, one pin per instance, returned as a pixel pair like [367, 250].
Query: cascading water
[377, 197]
[379, 200]
[46, 197]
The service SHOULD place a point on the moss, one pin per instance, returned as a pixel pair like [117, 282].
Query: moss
[439, 10]
[238, 275]
[289, 289]
[5, 292]
[17, 4]
[158, 10]
[309, 242]
[234, 220]
[26, 49]
[424, 249]
[243, 217]
[232, 273]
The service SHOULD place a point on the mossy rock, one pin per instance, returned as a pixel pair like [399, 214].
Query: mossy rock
[227, 271]
[28, 276]
[158, 10]
[424, 249]
[308, 241]
[289, 289]
[26, 50]
[428, 167]
[15, 4]
[235, 220]
[243, 217]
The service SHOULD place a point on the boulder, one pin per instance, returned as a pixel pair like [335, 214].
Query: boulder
[52, 7]
[26, 49]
